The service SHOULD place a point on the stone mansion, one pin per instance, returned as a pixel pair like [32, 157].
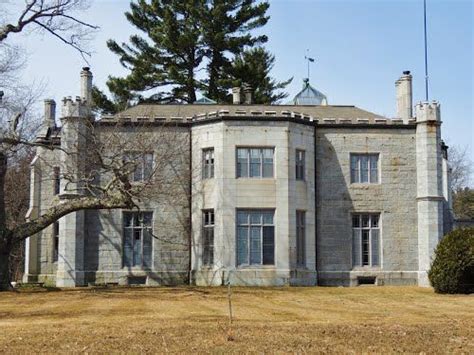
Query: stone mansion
[304, 193]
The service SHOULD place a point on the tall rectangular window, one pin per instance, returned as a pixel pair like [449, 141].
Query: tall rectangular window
[142, 164]
[55, 241]
[255, 162]
[208, 163]
[301, 238]
[208, 238]
[300, 164]
[366, 239]
[137, 239]
[255, 237]
[364, 168]
[56, 179]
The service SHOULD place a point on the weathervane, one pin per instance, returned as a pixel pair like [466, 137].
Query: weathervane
[309, 60]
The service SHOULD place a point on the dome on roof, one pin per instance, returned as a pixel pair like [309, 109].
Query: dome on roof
[205, 101]
[309, 96]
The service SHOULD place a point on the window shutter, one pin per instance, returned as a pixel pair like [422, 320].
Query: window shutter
[356, 248]
[375, 248]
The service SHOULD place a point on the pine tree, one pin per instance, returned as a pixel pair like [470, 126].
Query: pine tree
[169, 55]
[253, 68]
[180, 38]
[227, 30]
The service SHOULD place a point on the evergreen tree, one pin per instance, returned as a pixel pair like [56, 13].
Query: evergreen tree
[180, 38]
[169, 55]
[253, 68]
[226, 32]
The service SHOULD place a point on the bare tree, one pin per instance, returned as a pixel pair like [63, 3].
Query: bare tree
[58, 18]
[461, 167]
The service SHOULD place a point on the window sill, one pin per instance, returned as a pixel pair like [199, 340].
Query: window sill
[256, 266]
[366, 268]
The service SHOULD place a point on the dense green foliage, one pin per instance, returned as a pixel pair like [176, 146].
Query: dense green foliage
[186, 46]
[452, 270]
[253, 68]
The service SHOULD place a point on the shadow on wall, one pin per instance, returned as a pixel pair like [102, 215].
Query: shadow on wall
[333, 209]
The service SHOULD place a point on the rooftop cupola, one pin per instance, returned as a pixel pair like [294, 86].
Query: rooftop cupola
[309, 96]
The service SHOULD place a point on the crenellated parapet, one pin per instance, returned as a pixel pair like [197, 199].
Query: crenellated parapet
[77, 107]
[428, 112]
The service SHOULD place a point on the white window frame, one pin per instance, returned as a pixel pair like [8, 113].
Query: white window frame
[356, 178]
[248, 152]
[373, 224]
[140, 159]
[249, 226]
[208, 163]
[300, 165]
[142, 228]
[208, 225]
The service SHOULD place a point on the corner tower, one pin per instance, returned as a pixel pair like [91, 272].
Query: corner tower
[429, 185]
[76, 121]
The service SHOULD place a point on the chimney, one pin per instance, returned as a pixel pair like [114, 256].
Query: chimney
[236, 95]
[49, 120]
[86, 85]
[248, 92]
[404, 97]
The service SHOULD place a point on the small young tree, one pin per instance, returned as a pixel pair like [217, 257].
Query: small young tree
[452, 270]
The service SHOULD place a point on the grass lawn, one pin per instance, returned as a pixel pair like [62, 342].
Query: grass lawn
[361, 319]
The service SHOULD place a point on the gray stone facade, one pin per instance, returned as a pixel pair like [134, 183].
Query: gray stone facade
[409, 197]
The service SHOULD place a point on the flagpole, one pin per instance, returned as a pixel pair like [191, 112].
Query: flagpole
[426, 51]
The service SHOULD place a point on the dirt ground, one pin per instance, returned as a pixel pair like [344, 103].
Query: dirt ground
[271, 320]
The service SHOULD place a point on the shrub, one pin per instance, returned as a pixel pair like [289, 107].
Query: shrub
[452, 270]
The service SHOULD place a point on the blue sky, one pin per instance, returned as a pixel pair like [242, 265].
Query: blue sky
[361, 47]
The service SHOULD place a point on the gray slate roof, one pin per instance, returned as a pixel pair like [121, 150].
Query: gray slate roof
[316, 111]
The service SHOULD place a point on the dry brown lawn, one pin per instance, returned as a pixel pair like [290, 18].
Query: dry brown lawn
[270, 320]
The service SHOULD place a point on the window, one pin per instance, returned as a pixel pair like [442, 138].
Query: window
[255, 162]
[137, 239]
[208, 238]
[301, 238]
[300, 163]
[255, 237]
[142, 163]
[366, 235]
[364, 168]
[56, 179]
[208, 163]
[55, 241]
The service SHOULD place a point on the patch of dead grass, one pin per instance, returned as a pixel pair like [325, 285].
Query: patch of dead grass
[190, 319]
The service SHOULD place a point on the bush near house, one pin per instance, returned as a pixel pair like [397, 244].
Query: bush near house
[452, 270]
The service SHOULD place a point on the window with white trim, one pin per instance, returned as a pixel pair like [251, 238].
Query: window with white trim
[208, 163]
[366, 239]
[255, 237]
[255, 162]
[364, 168]
[208, 237]
[300, 164]
[137, 239]
[301, 238]
[142, 164]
